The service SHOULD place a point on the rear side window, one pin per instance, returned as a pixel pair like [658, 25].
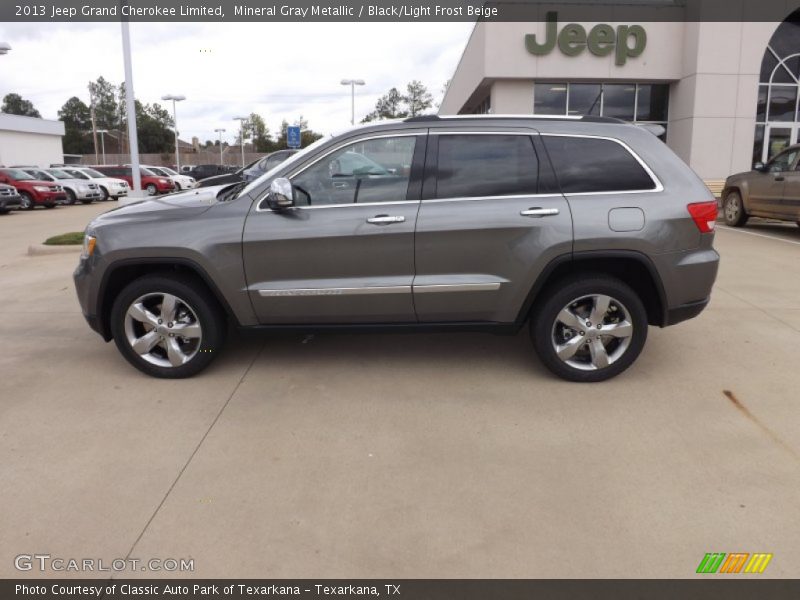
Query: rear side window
[587, 165]
[471, 166]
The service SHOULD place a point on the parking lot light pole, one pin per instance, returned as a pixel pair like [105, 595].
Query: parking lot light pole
[103, 142]
[220, 131]
[130, 107]
[241, 134]
[352, 83]
[175, 98]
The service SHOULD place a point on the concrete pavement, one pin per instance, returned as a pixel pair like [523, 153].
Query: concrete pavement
[426, 455]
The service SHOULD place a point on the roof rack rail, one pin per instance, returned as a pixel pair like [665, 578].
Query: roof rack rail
[584, 118]
[421, 118]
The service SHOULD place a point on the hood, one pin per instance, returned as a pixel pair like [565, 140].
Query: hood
[178, 205]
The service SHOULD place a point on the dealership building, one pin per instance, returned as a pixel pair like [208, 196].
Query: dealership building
[30, 141]
[726, 93]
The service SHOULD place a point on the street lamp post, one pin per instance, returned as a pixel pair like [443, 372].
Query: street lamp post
[220, 131]
[4, 48]
[175, 98]
[130, 110]
[103, 142]
[352, 83]
[241, 134]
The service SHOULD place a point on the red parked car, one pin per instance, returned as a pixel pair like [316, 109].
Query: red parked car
[32, 191]
[153, 184]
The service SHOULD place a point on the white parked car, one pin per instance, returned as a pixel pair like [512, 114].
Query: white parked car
[110, 187]
[182, 182]
[77, 190]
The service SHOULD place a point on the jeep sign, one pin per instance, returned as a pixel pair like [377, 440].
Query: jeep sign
[628, 40]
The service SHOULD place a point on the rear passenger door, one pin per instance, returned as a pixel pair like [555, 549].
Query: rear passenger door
[490, 221]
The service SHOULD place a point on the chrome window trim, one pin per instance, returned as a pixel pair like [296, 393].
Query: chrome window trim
[530, 132]
[335, 291]
[509, 197]
[659, 187]
[343, 144]
[350, 205]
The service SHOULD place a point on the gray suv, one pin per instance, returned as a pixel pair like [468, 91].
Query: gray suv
[587, 228]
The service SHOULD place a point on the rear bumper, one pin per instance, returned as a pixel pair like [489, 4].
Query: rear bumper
[685, 312]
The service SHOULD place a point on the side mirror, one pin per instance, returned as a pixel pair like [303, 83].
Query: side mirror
[759, 166]
[281, 194]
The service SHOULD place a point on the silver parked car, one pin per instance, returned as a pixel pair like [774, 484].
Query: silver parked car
[110, 187]
[76, 189]
[587, 228]
[771, 191]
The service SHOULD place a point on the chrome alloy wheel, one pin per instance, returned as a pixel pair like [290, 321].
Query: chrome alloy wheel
[163, 329]
[732, 208]
[592, 332]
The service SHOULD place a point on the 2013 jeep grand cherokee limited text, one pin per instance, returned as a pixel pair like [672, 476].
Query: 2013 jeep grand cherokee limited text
[589, 229]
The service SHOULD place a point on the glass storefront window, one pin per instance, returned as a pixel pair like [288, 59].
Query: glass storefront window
[758, 146]
[782, 103]
[550, 99]
[585, 98]
[652, 103]
[619, 101]
[761, 110]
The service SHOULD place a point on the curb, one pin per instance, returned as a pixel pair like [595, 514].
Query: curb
[42, 250]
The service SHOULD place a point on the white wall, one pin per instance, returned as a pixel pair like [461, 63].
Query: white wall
[17, 148]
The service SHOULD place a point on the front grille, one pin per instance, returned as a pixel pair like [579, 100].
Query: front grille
[8, 191]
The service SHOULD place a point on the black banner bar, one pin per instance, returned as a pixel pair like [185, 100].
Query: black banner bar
[400, 11]
[710, 588]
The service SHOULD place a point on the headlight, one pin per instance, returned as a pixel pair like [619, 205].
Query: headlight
[165, 181]
[42, 188]
[89, 242]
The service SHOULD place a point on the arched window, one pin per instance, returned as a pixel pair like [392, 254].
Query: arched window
[778, 112]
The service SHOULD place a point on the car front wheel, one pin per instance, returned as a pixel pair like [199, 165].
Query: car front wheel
[166, 326]
[152, 190]
[26, 201]
[733, 210]
[589, 328]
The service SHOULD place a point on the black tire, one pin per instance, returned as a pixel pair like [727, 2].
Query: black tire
[193, 295]
[71, 199]
[27, 201]
[733, 210]
[3, 211]
[152, 190]
[103, 191]
[572, 292]
[50, 205]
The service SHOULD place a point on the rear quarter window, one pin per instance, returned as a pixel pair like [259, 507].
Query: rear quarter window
[591, 165]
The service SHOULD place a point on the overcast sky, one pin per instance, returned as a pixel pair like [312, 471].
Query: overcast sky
[229, 69]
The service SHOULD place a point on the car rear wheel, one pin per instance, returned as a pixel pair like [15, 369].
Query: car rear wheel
[104, 193]
[152, 190]
[167, 326]
[26, 201]
[733, 210]
[589, 328]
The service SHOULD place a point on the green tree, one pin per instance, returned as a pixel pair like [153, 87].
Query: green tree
[417, 98]
[14, 104]
[77, 127]
[388, 106]
[109, 103]
[257, 130]
[154, 129]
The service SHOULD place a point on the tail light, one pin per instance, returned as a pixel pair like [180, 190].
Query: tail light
[704, 215]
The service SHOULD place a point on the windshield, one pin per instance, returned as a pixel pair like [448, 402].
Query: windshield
[157, 170]
[59, 174]
[168, 171]
[76, 174]
[94, 174]
[39, 174]
[289, 161]
[17, 174]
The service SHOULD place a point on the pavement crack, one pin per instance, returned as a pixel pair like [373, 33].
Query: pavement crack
[194, 452]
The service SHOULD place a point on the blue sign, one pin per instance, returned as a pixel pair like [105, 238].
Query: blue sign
[293, 137]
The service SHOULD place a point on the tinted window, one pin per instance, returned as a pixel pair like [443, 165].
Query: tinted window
[486, 165]
[595, 165]
[375, 170]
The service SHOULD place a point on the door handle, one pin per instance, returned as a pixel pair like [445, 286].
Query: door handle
[539, 212]
[385, 220]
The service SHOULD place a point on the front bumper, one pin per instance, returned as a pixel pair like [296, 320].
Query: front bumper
[84, 279]
[9, 202]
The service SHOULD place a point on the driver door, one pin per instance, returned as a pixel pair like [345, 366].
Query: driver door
[345, 252]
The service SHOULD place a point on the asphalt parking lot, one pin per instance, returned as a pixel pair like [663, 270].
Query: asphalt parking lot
[428, 455]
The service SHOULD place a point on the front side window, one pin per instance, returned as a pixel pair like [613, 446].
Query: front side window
[40, 175]
[376, 170]
[591, 165]
[471, 166]
[784, 162]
